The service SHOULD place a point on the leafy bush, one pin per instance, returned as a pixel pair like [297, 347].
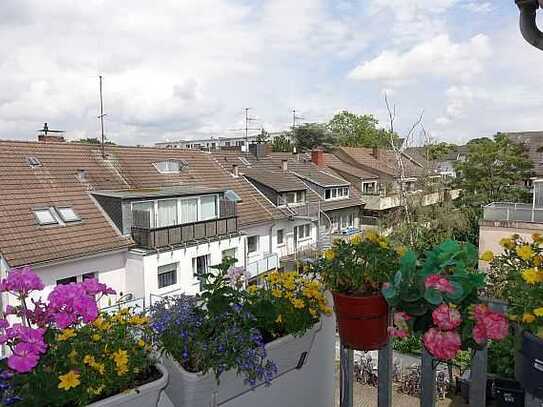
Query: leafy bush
[501, 358]
[409, 345]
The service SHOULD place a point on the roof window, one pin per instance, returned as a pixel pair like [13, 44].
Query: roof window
[33, 162]
[67, 214]
[170, 166]
[45, 216]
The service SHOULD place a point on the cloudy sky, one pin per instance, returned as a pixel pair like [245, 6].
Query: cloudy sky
[186, 68]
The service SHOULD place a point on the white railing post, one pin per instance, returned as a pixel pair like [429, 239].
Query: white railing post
[477, 386]
[345, 377]
[384, 390]
[428, 380]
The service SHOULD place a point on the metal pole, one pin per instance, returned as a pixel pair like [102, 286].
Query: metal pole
[346, 377]
[102, 118]
[477, 387]
[428, 381]
[384, 390]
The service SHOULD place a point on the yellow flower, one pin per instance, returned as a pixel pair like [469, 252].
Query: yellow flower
[507, 243]
[139, 320]
[89, 360]
[487, 256]
[372, 236]
[101, 324]
[66, 334]
[72, 356]
[538, 312]
[100, 368]
[279, 319]
[383, 243]
[532, 276]
[298, 303]
[120, 357]
[356, 239]
[252, 289]
[96, 391]
[326, 310]
[400, 250]
[69, 380]
[525, 252]
[528, 318]
[276, 292]
[141, 343]
[329, 254]
[313, 312]
[96, 337]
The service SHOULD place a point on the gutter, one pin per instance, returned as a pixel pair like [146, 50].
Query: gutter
[528, 24]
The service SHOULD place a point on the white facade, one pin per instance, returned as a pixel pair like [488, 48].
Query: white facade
[212, 143]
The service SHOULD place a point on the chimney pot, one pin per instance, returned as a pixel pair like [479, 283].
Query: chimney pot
[284, 165]
[235, 170]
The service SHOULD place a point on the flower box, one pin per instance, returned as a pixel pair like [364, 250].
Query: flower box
[197, 390]
[529, 364]
[146, 395]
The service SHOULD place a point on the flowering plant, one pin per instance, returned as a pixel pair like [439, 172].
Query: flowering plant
[438, 299]
[215, 331]
[521, 285]
[288, 303]
[63, 351]
[358, 266]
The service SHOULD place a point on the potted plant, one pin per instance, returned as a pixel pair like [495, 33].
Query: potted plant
[437, 298]
[63, 352]
[355, 270]
[225, 341]
[521, 265]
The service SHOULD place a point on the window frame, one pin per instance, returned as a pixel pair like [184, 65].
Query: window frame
[280, 232]
[54, 220]
[174, 271]
[257, 244]
[76, 218]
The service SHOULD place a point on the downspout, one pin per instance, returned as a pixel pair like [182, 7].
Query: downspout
[528, 25]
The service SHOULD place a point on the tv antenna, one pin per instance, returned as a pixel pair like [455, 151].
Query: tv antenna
[294, 118]
[101, 117]
[46, 130]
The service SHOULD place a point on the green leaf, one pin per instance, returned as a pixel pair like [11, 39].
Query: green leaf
[433, 296]
[397, 279]
[458, 292]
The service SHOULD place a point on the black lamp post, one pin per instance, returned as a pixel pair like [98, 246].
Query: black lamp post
[528, 25]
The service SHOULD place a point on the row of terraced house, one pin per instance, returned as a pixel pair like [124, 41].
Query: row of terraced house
[147, 221]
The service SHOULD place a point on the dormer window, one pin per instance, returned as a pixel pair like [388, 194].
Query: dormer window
[337, 193]
[170, 166]
[293, 198]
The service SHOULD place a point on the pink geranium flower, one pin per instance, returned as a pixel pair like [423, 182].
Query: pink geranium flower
[93, 287]
[21, 281]
[67, 303]
[443, 345]
[446, 318]
[488, 325]
[439, 283]
[397, 333]
[23, 359]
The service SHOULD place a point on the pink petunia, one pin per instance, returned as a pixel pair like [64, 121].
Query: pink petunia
[446, 318]
[443, 345]
[439, 283]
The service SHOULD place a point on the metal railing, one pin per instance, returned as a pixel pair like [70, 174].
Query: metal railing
[513, 212]
[269, 262]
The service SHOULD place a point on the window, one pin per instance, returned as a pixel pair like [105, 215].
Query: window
[328, 194]
[346, 221]
[252, 244]
[334, 193]
[229, 253]
[167, 212]
[294, 197]
[67, 280]
[33, 162]
[169, 166]
[369, 187]
[303, 231]
[167, 275]
[335, 223]
[291, 197]
[143, 214]
[300, 196]
[199, 267]
[88, 276]
[280, 236]
[68, 214]
[189, 210]
[208, 207]
[45, 216]
[227, 144]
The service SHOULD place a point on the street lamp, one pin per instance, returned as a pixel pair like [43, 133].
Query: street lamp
[528, 25]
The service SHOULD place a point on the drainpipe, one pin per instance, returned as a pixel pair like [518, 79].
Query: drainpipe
[528, 25]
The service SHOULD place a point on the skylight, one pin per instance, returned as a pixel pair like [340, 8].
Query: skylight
[169, 166]
[244, 161]
[33, 162]
[68, 214]
[232, 196]
[45, 217]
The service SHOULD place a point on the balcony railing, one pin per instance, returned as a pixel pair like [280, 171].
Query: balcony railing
[512, 212]
[156, 237]
[269, 262]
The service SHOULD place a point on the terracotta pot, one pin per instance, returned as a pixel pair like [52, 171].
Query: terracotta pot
[362, 321]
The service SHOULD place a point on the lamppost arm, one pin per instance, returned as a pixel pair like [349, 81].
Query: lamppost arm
[528, 25]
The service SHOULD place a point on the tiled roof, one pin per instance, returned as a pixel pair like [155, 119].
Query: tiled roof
[55, 183]
[533, 143]
[276, 180]
[320, 177]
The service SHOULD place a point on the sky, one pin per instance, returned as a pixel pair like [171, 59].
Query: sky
[186, 69]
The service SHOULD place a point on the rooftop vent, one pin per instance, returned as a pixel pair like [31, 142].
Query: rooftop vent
[33, 162]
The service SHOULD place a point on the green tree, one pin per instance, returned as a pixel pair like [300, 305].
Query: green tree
[494, 170]
[311, 135]
[263, 136]
[281, 144]
[355, 130]
[92, 140]
[439, 150]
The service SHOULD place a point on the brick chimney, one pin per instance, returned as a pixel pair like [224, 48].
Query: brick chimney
[376, 152]
[50, 139]
[317, 157]
[284, 165]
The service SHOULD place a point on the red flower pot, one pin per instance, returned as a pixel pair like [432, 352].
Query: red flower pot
[362, 321]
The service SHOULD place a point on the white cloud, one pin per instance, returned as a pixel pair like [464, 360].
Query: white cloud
[478, 6]
[439, 57]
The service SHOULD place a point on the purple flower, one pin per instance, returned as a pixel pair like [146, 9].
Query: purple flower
[93, 287]
[21, 281]
[23, 359]
[34, 338]
[68, 303]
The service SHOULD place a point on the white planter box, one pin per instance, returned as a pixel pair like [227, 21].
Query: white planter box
[143, 396]
[187, 389]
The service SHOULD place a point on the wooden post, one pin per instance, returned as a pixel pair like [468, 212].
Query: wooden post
[384, 391]
[346, 377]
[477, 387]
[428, 381]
